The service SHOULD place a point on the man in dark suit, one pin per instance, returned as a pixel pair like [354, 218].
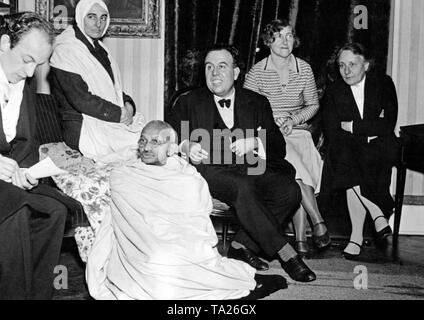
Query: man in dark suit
[359, 116]
[31, 222]
[222, 129]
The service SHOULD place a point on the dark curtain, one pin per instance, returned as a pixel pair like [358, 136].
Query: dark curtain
[322, 25]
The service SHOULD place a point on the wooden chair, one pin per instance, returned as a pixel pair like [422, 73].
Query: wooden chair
[412, 157]
[224, 214]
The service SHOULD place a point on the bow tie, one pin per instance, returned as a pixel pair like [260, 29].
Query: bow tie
[225, 103]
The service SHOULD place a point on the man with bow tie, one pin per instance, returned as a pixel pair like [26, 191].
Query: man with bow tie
[264, 202]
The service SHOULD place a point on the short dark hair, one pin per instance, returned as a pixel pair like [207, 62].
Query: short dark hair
[235, 53]
[275, 26]
[19, 24]
[356, 48]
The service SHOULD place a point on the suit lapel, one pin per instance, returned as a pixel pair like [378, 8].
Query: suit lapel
[241, 111]
[209, 111]
[350, 99]
[370, 95]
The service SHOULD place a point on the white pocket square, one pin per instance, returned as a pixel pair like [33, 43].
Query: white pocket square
[381, 114]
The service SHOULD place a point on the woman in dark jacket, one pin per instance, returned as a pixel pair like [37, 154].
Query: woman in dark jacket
[360, 114]
[97, 116]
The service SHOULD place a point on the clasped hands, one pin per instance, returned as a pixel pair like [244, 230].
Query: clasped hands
[286, 124]
[10, 172]
[240, 147]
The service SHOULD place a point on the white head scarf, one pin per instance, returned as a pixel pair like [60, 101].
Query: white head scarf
[83, 7]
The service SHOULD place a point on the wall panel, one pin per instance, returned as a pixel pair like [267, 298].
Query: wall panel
[408, 72]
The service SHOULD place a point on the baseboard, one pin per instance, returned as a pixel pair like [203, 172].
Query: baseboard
[412, 220]
[413, 200]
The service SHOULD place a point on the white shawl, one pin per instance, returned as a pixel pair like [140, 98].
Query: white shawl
[98, 138]
[159, 242]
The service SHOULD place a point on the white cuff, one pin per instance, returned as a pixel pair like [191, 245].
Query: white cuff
[372, 138]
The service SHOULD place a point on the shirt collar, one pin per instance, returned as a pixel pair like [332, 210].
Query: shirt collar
[293, 64]
[361, 84]
[7, 88]
[4, 86]
[3, 78]
[230, 96]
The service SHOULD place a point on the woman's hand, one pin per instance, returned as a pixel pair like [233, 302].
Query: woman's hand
[127, 114]
[287, 126]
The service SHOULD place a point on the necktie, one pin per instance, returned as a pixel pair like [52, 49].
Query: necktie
[225, 103]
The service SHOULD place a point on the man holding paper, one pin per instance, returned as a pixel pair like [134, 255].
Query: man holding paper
[31, 222]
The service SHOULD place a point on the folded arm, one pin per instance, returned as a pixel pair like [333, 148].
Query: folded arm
[385, 124]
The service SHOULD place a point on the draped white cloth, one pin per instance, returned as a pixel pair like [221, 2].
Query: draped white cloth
[98, 138]
[159, 242]
[304, 156]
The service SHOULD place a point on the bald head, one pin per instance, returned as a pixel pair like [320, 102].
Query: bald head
[155, 142]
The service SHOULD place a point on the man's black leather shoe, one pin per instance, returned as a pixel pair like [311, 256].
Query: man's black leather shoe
[266, 285]
[298, 270]
[247, 256]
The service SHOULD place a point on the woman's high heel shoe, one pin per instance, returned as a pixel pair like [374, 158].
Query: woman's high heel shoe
[302, 248]
[322, 241]
[349, 256]
[385, 232]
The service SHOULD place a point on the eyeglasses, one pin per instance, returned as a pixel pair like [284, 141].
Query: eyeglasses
[154, 143]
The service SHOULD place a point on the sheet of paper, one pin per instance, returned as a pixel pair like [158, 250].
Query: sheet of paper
[45, 168]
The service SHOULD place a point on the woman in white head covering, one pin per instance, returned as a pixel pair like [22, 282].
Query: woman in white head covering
[97, 116]
[87, 23]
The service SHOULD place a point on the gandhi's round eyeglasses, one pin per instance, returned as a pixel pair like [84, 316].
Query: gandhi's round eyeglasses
[154, 143]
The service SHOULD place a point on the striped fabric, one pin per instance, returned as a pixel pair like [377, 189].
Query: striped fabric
[299, 99]
[48, 120]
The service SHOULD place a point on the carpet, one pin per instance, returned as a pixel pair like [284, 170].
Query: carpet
[376, 277]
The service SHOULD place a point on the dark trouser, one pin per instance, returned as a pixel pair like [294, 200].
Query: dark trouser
[30, 242]
[351, 163]
[263, 203]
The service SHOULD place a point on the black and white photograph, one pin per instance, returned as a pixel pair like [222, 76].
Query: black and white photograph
[213, 155]
[128, 18]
